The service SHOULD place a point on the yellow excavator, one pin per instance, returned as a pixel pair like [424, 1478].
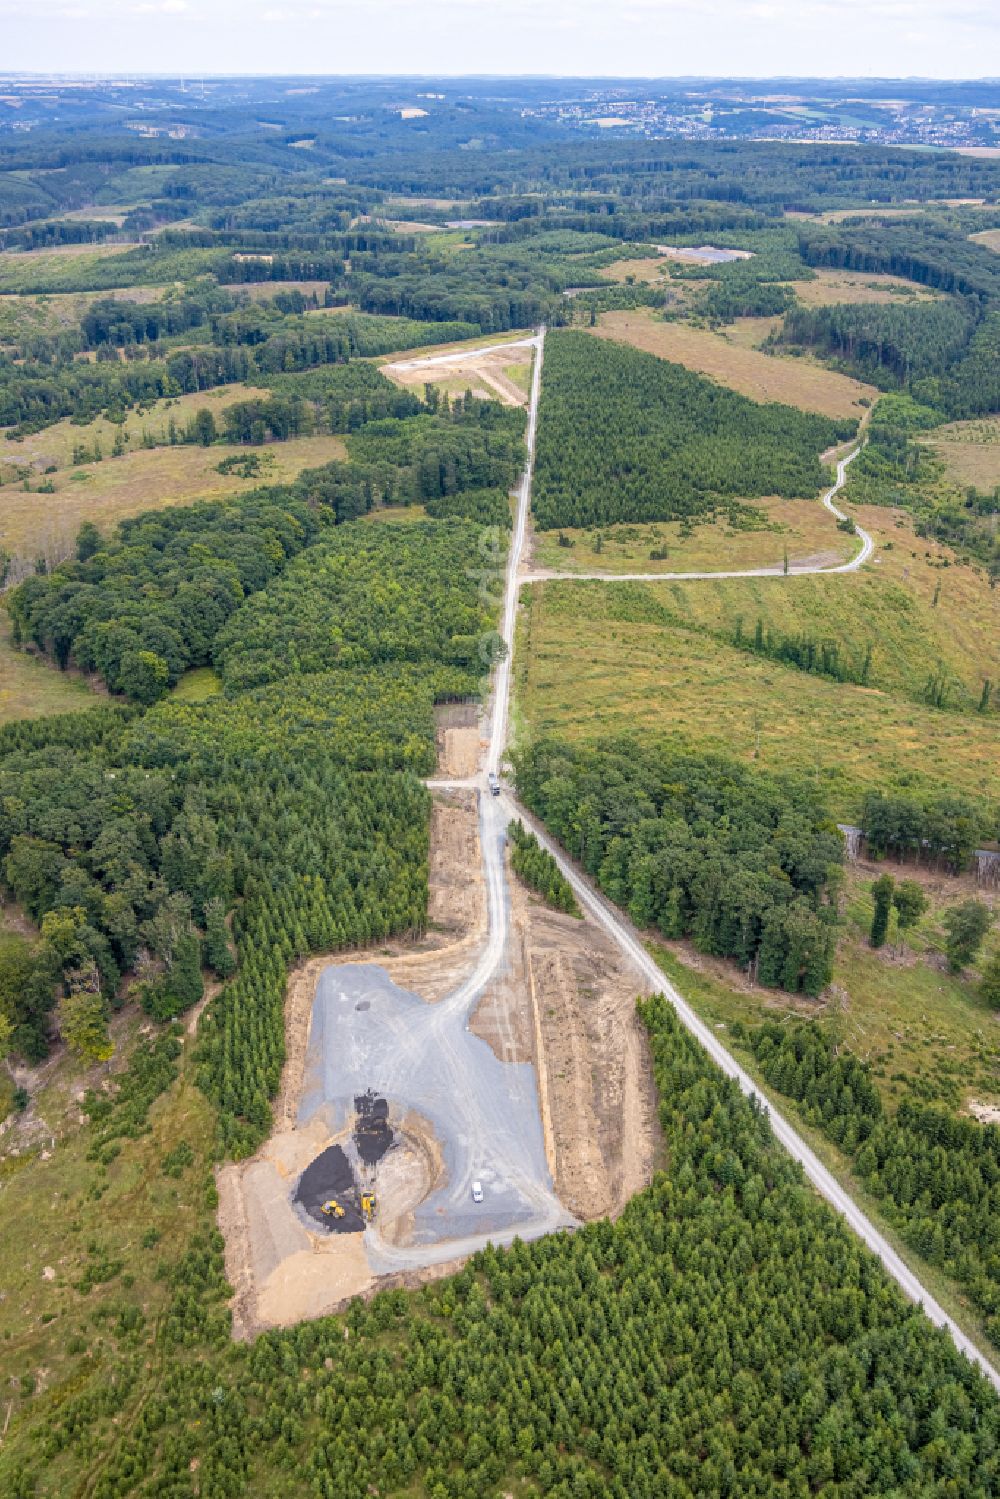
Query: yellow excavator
[332, 1209]
[368, 1206]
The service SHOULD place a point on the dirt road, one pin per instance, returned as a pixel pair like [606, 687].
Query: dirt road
[776, 570]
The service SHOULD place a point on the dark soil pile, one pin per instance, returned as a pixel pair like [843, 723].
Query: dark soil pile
[372, 1132]
[330, 1175]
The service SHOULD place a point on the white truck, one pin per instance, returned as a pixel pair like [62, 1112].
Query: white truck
[493, 781]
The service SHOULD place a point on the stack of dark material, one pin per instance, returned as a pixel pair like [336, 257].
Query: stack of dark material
[330, 1176]
[372, 1132]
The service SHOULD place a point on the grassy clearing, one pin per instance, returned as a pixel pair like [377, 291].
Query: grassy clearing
[20, 270]
[988, 237]
[901, 1009]
[198, 684]
[142, 479]
[652, 268]
[897, 1008]
[762, 377]
[804, 527]
[750, 332]
[520, 373]
[407, 513]
[922, 613]
[31, 688]
[880, 211]
[970, 451]
[122, 1218]
[585, 671]
[829, 286]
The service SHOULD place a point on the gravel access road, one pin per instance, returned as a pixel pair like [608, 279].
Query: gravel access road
[367, 1032]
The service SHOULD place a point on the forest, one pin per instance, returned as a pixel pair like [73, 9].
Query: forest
[149, 603]
[50, 385]
[942, 350]
[146, 605]
[941, 830]
[936, 1175]
[388, 593]
[896, 345]
[539, 870]
[782, 1359]
[682, 442]
[744, 864]
[128, 837]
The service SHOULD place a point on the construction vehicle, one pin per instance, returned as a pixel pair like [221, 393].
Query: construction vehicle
[369, 1206]
[332, 1209]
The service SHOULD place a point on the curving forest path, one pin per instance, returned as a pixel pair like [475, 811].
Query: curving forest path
[776, 570]
[458, 1007]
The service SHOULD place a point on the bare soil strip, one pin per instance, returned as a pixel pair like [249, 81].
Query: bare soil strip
[568, 986]
[481, 370]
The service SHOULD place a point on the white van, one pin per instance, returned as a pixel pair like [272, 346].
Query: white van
[477, 1191]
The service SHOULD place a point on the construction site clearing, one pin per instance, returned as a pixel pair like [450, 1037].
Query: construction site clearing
[553, 1043]
[490, 374]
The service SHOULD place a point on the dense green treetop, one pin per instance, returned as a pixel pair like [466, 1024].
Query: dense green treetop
[680, 441]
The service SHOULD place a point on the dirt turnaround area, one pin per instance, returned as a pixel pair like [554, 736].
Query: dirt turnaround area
[490, 374]
[562, 1001]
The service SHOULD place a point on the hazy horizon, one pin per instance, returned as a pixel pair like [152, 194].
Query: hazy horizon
[638, 39]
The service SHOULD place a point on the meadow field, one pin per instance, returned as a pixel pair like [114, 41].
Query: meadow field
[602, 659]
[733, 540]
[140, 479]
[762, 377]
[829, 286]
[970, 451]
[922, 613]
[988, 237]
[31, 687]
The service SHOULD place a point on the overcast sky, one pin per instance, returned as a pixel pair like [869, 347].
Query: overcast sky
[644, 38]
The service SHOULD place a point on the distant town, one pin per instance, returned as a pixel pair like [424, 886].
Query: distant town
[734, 111]
[955, 115]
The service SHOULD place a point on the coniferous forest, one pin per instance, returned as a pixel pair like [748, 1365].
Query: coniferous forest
[727, 1332]
[681, 443]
